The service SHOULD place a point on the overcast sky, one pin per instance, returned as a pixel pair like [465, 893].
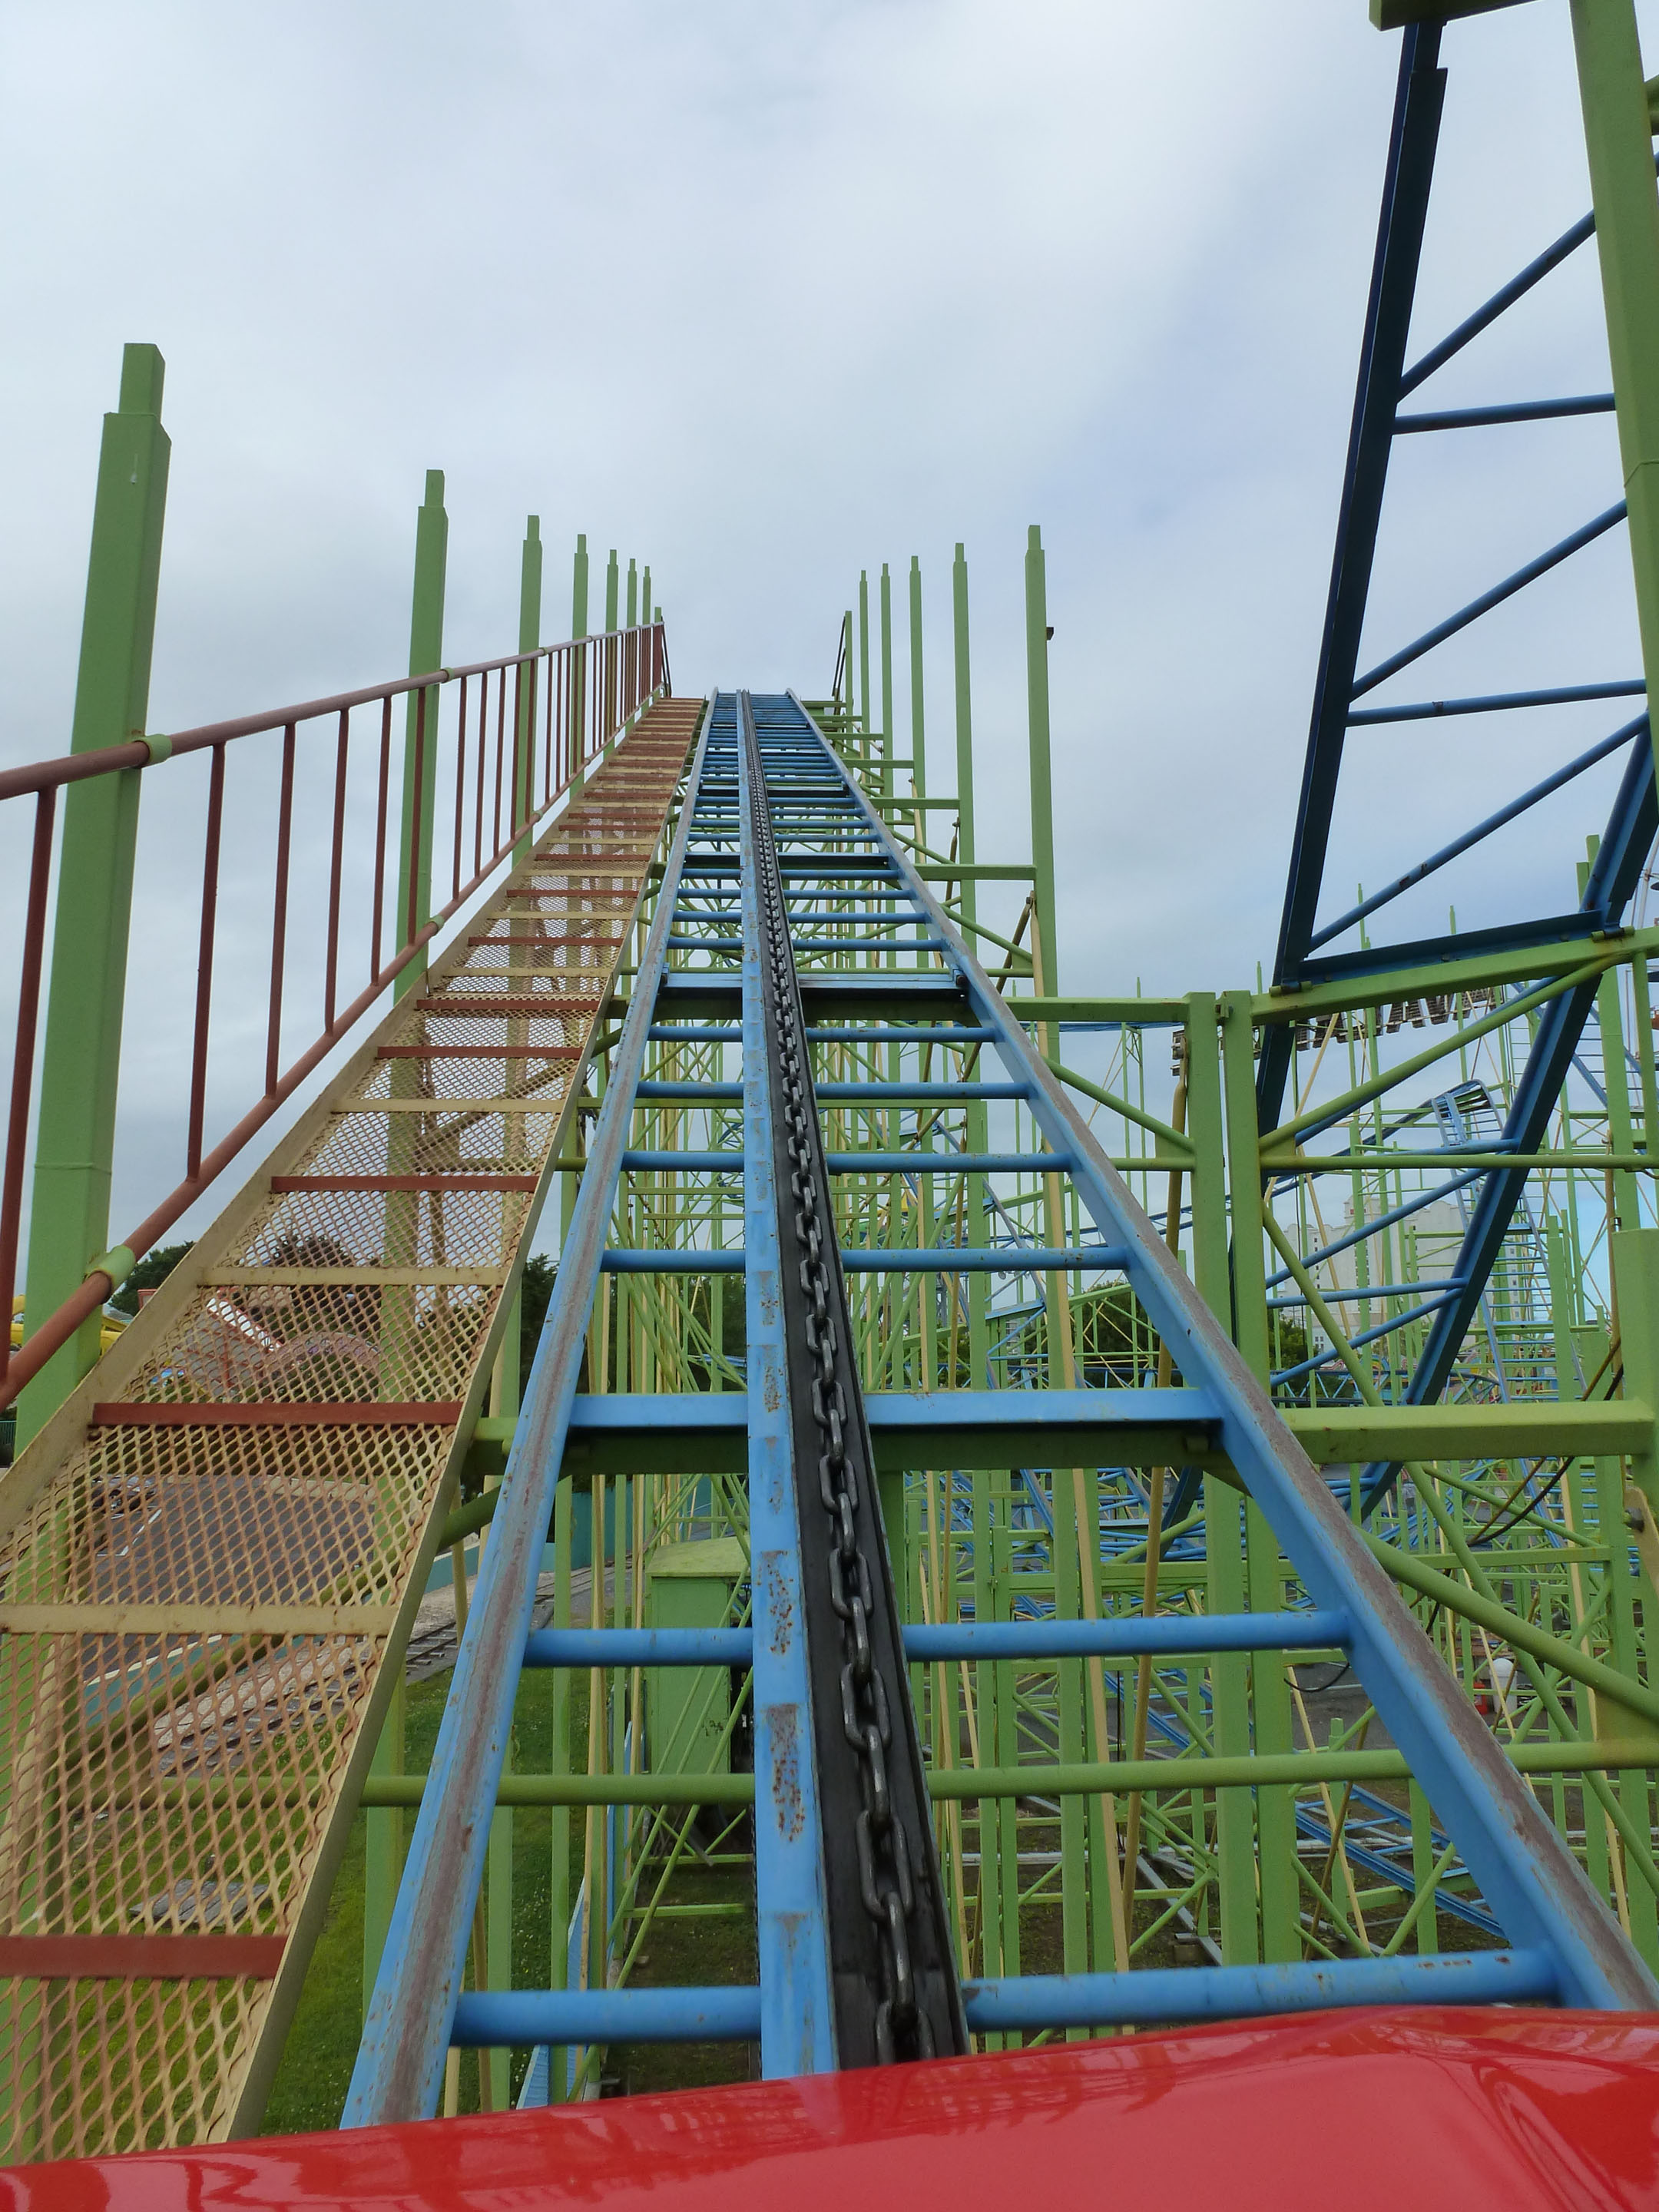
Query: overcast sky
[764, 294]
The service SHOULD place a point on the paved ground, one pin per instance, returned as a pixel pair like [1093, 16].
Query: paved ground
[432, 1646]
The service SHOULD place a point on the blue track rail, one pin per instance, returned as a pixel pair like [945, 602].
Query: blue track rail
[1564, 1945]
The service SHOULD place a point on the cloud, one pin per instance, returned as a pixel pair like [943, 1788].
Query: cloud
[766, 297]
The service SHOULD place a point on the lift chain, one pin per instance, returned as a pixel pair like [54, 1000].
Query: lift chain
[889, 1881]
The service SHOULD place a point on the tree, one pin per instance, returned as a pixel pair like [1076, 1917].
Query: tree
[151, 1271]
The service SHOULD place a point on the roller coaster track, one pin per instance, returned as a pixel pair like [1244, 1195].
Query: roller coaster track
[780, 870]
[1017, 1517]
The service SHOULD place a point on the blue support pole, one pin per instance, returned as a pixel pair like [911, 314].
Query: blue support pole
[1419, 97]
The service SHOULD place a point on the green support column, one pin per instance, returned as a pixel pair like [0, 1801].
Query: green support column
[559, 1764]
[74, 1139]
[383, 1823]
[1615, 1074]
[529, 638]
[612, 674]
[886, 681]
[383, 1845]
[633, 594]
[579, 689]
[965, 850]
[918, 720]
[426, 652]
[1225, 1590]
[505, 1381]
[1072, 1739]
[1635, 1255]
[1042, 801]
[889, 1488]
[1583, 1607]
[579, 588]
[1211, 1268]
[498, 1929]
[863, 652]
[1619, 141]
[645, 594]
[993, 1682]
[1427, 1932]
[1279, 1887]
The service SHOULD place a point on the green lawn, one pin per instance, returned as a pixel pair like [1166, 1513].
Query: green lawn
[311, 2082]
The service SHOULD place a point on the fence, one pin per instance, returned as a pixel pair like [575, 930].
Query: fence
[487, 750]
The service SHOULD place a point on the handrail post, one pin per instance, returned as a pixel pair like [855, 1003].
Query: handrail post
[578, 668]
[426, 652]
[74, 1144]
[965, 850]
[629, 698]
[1619, 141]
[864, 656]
[529, 639]
[918, 726]
[611, 672]
[886, 682]
[1043, 801]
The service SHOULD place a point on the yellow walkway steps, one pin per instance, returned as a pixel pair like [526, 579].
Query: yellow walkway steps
[212, 1558]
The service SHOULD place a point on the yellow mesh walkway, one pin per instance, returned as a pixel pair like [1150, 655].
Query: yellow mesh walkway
[210, 1565]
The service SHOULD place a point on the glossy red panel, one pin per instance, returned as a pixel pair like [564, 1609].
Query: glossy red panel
[1498, 2111]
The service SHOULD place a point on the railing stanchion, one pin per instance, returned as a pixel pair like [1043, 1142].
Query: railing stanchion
[612, 670]
[69, 1225]
[420, 792]
[529, 641]
[204, 956]
[578, 669]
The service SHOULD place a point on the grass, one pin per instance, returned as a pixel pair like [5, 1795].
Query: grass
[312, 2079]
[309, 2091]
[710, 1949]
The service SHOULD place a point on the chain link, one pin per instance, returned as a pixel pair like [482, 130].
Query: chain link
[902, 2027]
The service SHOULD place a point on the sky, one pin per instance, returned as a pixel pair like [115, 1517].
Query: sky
[766, 297]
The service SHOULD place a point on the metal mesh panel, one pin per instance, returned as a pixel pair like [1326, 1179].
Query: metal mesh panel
[193, 1608]
[311, 1341]
[117, 2066]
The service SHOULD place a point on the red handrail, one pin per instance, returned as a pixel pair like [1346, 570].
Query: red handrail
[589, 700]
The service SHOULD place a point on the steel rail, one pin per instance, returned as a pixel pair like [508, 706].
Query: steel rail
[151, 752]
